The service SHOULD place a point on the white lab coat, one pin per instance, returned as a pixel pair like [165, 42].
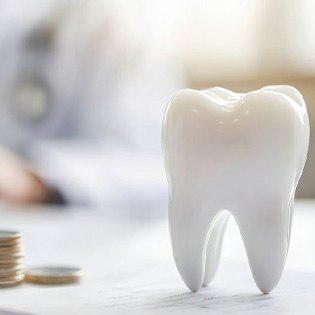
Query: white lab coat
[83, 93]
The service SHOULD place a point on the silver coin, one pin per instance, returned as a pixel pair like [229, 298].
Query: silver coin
[12, 249]
[11, 256]
[16, 267]
[11, 282]
[53, 275]
[9, 285]
[6, 235]
[10, 273]
[4, 243]
[10, 261]
[12, 244]
[12, 279]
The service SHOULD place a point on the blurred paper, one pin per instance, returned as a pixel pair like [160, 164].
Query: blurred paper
[232, 293]
[128, 267]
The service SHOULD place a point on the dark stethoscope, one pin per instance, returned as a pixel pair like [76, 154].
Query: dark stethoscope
[30, 95]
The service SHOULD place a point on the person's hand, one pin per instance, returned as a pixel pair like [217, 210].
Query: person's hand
[19, 182]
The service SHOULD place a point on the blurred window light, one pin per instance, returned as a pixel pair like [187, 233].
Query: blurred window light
[220, 38]
[238, 39]
[300, 36]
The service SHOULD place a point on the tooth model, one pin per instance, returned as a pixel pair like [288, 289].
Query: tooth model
[241, 154]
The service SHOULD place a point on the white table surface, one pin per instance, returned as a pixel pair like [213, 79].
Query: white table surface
[128, 265]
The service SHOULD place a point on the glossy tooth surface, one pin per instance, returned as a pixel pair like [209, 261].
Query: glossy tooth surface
[241, 154]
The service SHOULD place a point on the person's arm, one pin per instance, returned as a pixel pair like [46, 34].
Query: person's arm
[19, 182]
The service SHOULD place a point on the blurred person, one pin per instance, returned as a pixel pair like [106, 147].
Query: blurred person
[83, 88]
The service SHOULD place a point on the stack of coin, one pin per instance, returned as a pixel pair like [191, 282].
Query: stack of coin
[11, 258]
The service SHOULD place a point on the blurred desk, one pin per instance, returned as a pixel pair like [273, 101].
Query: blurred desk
[128, 266]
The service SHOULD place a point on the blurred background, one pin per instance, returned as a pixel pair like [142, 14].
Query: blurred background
[84, 84]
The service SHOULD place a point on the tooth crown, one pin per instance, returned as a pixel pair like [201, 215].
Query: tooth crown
[233, 153]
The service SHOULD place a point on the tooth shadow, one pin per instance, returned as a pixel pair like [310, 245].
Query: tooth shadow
[294, 293]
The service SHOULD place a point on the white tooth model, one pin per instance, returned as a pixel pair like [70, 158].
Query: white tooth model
[241, 154]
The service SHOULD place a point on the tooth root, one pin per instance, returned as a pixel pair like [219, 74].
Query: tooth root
[214, 246]
[189, 225]
[265, 235]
